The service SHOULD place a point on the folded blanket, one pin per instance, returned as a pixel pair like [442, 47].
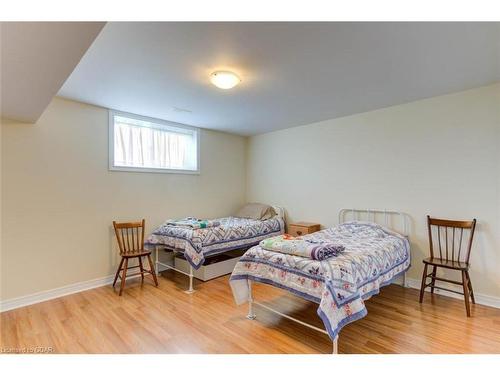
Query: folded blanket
[194, 223]
[314, 249]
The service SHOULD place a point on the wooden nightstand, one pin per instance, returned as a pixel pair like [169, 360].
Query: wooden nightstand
[300, 228]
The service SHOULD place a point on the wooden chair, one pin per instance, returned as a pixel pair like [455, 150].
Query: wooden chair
[449, 235]
[130, 237]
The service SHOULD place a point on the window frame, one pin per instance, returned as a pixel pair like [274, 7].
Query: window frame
[111, 144]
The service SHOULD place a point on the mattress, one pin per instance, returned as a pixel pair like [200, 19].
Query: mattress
[373, 257]
[232, 233]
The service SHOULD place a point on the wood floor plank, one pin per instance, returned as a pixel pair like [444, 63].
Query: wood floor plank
[167, 320]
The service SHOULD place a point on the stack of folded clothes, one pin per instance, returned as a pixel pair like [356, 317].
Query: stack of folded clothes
[194, 223]
[307, 248]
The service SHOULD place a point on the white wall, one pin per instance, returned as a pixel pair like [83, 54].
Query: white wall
[1, 210]
[59, 198]
[439, 156]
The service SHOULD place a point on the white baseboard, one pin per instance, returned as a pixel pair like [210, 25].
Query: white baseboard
[481, 299]
[31, 299]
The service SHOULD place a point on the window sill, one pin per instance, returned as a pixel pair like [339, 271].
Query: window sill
[153, 170]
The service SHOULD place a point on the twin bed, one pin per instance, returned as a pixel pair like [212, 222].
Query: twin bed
[197, 245]
[374, 256]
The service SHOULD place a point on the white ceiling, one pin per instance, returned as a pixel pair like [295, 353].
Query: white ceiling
[36, 59]
[292, 73]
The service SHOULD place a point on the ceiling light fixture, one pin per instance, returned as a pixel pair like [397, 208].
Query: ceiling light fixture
[224, 80]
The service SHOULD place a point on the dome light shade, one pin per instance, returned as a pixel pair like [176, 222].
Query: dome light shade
[224, 80]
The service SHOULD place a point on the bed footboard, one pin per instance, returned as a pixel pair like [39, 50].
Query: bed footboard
[190, 274]
[251, 315]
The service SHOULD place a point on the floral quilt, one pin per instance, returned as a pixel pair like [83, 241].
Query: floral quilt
[373, 257]
[232, 233]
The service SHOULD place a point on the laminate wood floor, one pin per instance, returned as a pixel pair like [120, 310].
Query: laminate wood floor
[167, 320]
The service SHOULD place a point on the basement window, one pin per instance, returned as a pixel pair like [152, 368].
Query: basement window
[143, 144]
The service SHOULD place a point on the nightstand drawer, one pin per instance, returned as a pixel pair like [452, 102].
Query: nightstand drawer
[299, 229]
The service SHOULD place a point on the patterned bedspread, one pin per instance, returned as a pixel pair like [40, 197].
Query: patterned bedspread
[232, 233]
[373, 257]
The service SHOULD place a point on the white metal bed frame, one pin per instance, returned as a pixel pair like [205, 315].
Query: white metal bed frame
[279, 211]
[356, 214]
[168, 266]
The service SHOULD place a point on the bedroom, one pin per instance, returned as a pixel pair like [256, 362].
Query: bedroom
[221, 156]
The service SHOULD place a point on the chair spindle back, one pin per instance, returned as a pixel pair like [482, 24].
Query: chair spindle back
[452, 238]
[130, 236]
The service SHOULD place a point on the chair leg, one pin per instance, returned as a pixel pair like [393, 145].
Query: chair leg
[470, 288]
[466, 291]
[422, 287]
[142, 269]
[118, 272]
[124, 276]
[434, 268]
[152, 267]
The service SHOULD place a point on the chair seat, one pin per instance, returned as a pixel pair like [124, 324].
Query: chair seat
[446, 263]
[136, 254]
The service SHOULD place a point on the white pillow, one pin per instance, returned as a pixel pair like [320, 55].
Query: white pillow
[256, 211]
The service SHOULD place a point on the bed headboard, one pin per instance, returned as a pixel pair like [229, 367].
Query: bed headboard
[394, 220]
[280, 211]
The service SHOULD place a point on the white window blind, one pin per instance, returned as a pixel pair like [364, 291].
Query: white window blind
[143, 144]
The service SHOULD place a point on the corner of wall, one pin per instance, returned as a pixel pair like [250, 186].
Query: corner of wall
[247, 165]
[1, 213]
